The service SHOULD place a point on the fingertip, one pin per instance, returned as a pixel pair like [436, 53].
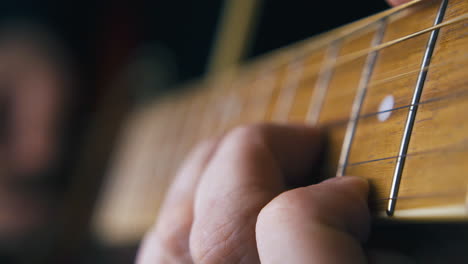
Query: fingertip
[317, 220]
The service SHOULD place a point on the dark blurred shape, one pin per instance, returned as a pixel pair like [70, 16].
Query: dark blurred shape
[35, 82]
[62, 62]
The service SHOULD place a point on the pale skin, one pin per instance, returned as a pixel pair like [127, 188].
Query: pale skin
[230, 203]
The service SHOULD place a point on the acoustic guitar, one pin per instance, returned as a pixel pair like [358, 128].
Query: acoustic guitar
[390, 89]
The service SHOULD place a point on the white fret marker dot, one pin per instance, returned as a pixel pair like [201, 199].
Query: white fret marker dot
[386, 104]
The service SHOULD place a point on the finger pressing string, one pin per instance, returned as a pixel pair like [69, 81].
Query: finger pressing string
[322, 223]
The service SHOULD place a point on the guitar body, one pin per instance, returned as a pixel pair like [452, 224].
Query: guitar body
[391, 90]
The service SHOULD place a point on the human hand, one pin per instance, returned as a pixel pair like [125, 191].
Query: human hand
[230, 204]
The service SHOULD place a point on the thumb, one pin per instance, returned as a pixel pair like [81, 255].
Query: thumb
[322, 223]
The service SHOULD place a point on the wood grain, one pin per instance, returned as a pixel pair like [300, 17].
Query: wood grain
[436, 166]
[345, 79]
[375, 139]
[306, 86]
[159, 136]
[395, 74]
[379, 173]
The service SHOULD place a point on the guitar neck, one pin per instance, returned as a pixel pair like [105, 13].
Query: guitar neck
[391, 90]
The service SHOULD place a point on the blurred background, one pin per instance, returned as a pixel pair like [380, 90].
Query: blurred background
[70, 73]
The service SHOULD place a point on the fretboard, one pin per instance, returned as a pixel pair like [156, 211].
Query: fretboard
[391, 90]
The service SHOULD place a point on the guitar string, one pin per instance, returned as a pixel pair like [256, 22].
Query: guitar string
[412, 111]
[307, 78]
[323, 41]
[454, 147]
[253, 103]
[352, 56]
[340, 60]
[378, 82]
[355, 55]
[447, 97]
[413, 71]
[431, 194]
[403, 75]
[359, 98]
[454, 192]
[341, 122]
[349, 57]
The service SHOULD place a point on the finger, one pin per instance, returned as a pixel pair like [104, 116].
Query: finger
[322, 223]
[247, 171]
[168, 241]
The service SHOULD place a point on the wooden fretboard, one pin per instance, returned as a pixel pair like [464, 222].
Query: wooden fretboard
[391, 89]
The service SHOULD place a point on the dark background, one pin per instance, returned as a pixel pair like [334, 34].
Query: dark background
[105, 40]
[184, 29]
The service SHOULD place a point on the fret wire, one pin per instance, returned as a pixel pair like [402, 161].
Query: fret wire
[366, 22]
[356, 55]
[341, 122]
[358, 99]
[446, 97]
[412, 111]
[402, 75]
[321, 87]
[454, 95]
[393, 77]
[281, 56]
